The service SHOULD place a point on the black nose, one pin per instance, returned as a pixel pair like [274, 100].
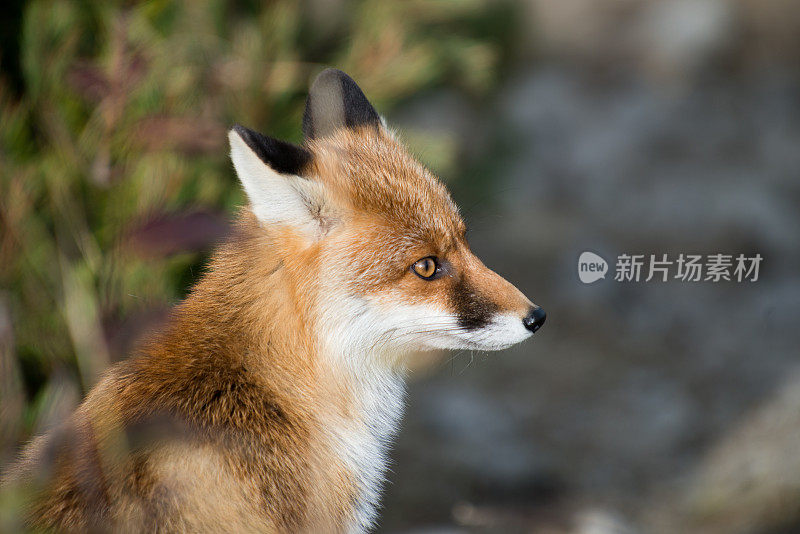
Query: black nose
[535, 319]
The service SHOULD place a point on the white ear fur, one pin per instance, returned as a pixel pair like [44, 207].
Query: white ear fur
[279, 199]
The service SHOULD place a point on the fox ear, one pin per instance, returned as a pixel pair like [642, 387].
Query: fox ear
[334, 102]
[270, 171]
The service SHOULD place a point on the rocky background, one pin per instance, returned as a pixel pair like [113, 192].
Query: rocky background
[615, 126]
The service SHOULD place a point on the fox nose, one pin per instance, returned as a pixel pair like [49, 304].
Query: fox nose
[535, 319]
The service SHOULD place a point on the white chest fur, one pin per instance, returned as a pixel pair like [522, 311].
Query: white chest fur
[362, 442]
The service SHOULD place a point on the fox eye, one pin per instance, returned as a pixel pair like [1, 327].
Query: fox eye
[426, 268]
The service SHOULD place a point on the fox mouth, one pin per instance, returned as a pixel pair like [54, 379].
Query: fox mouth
[501, 332]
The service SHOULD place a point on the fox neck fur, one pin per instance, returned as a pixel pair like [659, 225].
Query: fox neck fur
[342, 407]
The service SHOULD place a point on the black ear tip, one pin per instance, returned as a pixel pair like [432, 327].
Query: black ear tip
[336, 101]
[333, 81]
[255, 140]
[281, 156]
[329, 75]
[247, 135]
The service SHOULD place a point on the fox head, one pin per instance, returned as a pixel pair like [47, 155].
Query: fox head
[370, 242]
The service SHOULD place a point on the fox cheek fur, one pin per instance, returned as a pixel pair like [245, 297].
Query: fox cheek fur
[271, 394]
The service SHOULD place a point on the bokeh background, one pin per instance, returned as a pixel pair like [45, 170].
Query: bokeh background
[617, 126]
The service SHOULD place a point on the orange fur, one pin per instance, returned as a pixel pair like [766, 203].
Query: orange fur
[233, 417]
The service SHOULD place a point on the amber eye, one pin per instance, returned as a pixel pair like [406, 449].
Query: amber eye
[426, 268]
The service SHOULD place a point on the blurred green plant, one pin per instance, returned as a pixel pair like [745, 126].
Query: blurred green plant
[115, 175]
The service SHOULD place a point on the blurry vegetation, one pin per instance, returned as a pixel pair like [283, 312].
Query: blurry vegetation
[114, 174]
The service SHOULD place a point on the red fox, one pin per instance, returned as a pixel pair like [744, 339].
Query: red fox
[268, 400]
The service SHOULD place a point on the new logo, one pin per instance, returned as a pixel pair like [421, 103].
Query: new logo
[591, 267]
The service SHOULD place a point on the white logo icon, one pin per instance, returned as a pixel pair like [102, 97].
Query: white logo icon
[591, 267]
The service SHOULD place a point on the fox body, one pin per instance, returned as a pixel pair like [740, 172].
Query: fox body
[267, 401]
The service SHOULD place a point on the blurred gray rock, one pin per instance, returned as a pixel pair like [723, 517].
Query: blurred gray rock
[750, 481]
